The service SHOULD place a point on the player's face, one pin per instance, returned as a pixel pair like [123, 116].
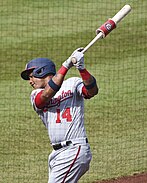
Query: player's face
[39, 82]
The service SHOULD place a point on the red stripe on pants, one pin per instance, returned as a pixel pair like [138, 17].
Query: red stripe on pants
[71, 164]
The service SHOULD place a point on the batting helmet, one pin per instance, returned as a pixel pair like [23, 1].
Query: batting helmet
[40, 68]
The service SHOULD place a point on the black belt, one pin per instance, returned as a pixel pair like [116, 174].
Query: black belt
[67, 143]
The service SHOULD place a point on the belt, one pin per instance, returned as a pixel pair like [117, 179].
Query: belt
[64, 144]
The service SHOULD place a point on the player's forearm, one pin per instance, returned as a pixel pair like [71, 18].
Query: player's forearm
[91, 86]
[54, 85]
[89, 82]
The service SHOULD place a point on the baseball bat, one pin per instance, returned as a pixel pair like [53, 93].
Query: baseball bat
[107, 27]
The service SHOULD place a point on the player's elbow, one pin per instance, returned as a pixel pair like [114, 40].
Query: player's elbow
[95, 91]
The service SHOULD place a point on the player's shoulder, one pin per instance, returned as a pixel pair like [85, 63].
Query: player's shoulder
[35, 92]
[73, 80]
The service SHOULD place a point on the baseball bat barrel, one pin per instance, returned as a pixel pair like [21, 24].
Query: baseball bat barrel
[122, 13]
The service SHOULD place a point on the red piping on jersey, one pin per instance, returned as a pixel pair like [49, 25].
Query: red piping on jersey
[72, 164]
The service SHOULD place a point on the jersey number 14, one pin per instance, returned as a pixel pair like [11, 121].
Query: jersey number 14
[65, 115]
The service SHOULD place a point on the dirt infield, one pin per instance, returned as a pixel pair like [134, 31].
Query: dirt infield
[137, 178]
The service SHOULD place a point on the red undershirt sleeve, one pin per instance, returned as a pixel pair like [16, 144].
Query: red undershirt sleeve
[38, 102]
[85, 93]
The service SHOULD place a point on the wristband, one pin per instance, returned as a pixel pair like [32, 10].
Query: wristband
[63, 70]
[53, 85]
[85, 74]
[88, 87]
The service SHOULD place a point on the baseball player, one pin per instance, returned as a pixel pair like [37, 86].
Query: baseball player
[60, 105]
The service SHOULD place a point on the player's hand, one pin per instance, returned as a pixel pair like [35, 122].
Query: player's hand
[79, 59]
[77, 55]
[68, 63]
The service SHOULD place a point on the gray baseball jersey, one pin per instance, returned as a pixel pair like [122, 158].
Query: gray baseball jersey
[64, 114]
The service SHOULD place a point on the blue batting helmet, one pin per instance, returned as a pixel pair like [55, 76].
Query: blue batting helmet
[40, 68]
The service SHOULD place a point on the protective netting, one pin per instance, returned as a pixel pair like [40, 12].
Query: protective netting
[116, 119]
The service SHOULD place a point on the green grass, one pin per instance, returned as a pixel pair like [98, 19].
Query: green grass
[116, 119]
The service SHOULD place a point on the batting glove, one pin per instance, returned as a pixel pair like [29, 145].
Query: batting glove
[79, 57]
[68, 63]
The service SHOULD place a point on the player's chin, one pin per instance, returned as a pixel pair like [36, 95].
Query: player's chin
[34, 86]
